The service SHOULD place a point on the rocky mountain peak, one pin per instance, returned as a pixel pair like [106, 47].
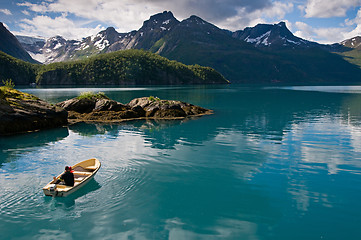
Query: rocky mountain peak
[352, 42]
[109, 34]
[164, 21]
[199, 25]
[282, 24]
[270, 35]
[55, 42]
[110, 30]
[152, 30]
[195, 20]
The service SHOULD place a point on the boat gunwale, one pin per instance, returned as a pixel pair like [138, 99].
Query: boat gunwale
[67, 191]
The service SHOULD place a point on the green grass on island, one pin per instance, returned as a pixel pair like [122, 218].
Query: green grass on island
[7, 91]
[92, 95]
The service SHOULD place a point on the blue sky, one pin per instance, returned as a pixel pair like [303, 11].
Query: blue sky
[325, 21]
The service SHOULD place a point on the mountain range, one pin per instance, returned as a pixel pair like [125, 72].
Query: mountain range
[266, 53]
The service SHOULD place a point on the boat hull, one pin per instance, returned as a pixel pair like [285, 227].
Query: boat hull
[85, 171]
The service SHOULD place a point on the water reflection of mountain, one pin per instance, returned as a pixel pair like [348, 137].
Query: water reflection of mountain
[9, 144]
[257, 113]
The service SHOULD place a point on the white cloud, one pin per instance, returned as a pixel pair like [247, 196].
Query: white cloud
[328, 8]
[129, 15]
[125, 15]
[305, 31]
[274, 13]
[25, 13]
[326, 35]
[48, 27]
[34, 7]
[5, 11]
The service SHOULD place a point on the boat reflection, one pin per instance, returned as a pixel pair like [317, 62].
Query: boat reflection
[69, 201]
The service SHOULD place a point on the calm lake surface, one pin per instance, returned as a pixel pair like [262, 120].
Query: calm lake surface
[271, 163]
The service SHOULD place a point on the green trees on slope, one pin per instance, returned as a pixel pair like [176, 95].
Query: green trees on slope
[18, 71]
[129, 67]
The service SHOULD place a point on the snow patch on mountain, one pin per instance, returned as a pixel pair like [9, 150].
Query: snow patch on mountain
[259, 40]
[57, 46]
[40, 57]
[101, 44]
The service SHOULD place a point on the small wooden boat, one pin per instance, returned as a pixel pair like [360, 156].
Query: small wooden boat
[83, 172]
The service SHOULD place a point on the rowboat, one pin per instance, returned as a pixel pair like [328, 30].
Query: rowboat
[83, 172]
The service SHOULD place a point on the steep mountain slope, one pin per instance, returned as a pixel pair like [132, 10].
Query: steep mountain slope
[10, 45]
[32, 45]
[154, 29]
[352, 42]
[353, 51]
[278, 36]
[21, 72]
[267, 35]
[262, 54]
[196, 41]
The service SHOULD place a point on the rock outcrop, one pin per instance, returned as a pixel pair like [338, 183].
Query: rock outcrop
[102, 109]
[22, 112]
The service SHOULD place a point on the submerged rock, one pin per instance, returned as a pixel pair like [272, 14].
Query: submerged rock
[22, 112]
[102, 109]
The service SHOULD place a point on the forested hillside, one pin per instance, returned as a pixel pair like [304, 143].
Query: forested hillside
[19, 71]
[129, 67]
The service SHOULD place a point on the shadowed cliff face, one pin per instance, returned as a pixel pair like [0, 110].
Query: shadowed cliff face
[21, 112]
[10, 45]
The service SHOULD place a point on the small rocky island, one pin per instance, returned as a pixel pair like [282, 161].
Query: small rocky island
[22, 112]
[99, 108]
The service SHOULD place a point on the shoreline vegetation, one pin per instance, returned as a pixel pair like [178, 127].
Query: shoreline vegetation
[22, 112]
[127, 67]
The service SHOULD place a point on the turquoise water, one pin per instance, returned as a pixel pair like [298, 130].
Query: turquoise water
[271, 163]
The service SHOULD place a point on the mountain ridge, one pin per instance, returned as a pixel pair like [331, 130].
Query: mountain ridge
[266, 53]
[158, 25]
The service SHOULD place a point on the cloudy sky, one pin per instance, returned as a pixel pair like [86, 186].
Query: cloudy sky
[325, 21]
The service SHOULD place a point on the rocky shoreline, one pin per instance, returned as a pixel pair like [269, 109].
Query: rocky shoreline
[106, 110]
[22, 112]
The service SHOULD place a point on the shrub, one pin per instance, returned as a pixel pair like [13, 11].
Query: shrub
[153, 99]
[9, 83]
[92, 95]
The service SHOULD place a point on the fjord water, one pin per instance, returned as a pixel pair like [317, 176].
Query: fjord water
[270, 163]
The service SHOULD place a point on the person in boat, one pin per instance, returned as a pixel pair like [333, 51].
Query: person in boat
[67, 178]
